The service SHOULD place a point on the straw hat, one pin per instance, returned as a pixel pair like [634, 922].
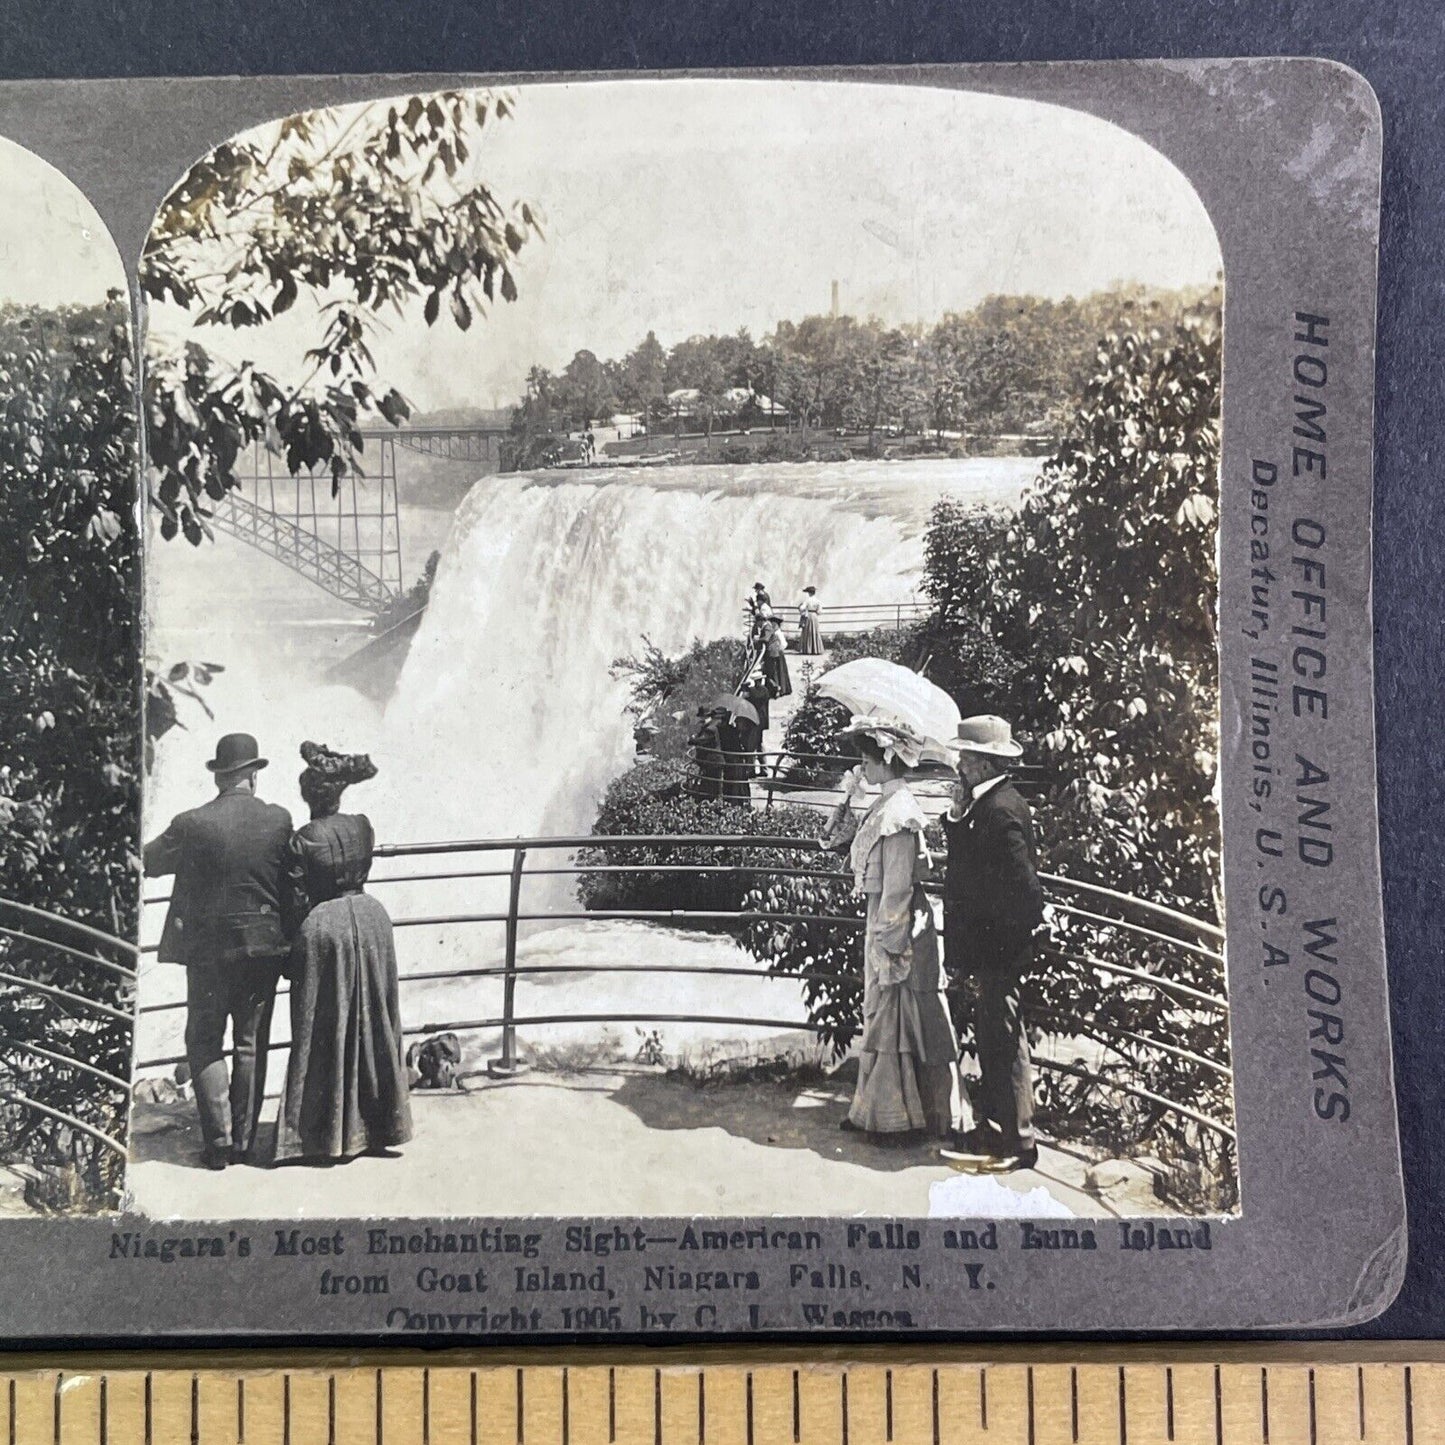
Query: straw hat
[989, 735]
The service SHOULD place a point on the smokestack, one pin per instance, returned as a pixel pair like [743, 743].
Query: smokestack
[834, 312]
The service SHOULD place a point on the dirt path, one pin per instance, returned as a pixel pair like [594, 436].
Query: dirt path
[621, 1143]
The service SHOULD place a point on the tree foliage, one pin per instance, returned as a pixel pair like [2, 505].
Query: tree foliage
[360, 210]
[1011, 364]
[70, 682]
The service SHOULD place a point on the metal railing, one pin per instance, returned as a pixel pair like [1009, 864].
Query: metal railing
[850, 616]
[1163, 928]
[805, 779]
[85, 950]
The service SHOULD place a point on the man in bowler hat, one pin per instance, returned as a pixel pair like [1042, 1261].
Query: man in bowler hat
[992, 903]
[224, 925]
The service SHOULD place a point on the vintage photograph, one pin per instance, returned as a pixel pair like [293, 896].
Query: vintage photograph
[70, 683]
[681, 667]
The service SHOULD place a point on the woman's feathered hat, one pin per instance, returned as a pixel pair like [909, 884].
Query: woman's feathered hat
[334, 767]
[899, 742]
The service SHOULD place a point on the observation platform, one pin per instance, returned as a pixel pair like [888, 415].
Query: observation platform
[612, 1142]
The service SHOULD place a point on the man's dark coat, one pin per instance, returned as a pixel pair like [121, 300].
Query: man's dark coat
[228, 857]
[992, 899]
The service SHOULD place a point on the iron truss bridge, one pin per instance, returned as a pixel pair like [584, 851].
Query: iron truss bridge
[349, 543]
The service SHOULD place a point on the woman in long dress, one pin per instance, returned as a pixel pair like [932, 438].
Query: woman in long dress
[908, 1053]
[810, 634]
[775, 658]
[346, 1085]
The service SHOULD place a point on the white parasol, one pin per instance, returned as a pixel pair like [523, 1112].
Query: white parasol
[873, 689]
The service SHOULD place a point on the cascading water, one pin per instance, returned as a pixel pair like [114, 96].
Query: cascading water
[505, 721]
[506, 708]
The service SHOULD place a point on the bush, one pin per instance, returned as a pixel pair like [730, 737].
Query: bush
[669, 690]
[649, 799]
[70, 678]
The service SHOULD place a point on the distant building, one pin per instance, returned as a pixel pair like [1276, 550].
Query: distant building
[737, 407]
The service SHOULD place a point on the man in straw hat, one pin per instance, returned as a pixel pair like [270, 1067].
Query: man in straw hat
[224, 926]
[992, 903]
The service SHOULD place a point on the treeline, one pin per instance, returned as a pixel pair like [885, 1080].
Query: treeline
[1012, 364]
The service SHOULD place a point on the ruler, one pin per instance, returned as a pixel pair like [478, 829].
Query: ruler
[661, 1398]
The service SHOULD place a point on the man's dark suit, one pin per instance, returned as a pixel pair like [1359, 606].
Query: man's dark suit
[224, 925]
[992, 902]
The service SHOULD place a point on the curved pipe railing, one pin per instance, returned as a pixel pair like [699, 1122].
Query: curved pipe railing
[68, 999]
[1155, 934]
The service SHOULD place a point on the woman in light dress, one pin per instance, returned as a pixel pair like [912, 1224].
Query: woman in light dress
[908, 1054]
[810, 635]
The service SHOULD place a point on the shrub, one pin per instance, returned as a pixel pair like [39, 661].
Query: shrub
[649, 799]
[669, 690]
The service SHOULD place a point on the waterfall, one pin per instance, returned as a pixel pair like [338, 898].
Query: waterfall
[506, 721]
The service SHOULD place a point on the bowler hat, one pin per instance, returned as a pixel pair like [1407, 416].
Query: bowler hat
[234, 752]
[988, 735]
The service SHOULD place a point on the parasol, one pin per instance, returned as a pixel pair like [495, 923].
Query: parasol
[735, 707]
[870, 687]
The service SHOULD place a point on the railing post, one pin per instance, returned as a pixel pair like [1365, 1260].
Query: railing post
[507, 1066]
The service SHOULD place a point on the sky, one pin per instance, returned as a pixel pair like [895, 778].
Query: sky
[688, 206]
[54, 249]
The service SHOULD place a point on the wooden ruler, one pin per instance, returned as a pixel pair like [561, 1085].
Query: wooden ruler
[662, 1398]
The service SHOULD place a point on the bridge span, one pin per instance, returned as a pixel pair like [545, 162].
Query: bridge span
[349, 542]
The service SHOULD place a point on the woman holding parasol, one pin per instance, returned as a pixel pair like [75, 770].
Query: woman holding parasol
[908, 1052]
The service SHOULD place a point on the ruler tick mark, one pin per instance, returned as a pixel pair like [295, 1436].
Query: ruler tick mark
[240, 1410]
[701, 1408]
[1029, 1380]
[566, 1407]
[149, 1411]
[474, 1408]
[888, 1404]
[1218, 1408]
[104, 1411]
[195, 1410]
[521, 1404]
[611, 1404]
[380, 1415]
[59, 1389]
[425, 1406]
[1074, 1404]
[1123, 1410]
[286, 1408]
[935, 1409]
[844, 1380]
[656, 1408]
[1169, 1401]
[331, 1410]
[1409, 1407]
[1360, 1396]
[1313, 1427]
[983, 1397]
[749, 1394]
[797, 1410]
[11, 1393]
[1264, 1404]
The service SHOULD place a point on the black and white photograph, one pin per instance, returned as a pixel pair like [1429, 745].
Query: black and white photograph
[684, 613]
[70, 774]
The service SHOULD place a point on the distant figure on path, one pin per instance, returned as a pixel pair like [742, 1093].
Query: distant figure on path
[346, 1087]
[907, 1054]
[775, 659]
[739, 760]
[755, 689]
[992, 903]
[706, 745]
[810, 635]
[225, 926]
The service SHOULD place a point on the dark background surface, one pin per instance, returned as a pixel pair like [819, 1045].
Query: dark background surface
[1400, 49]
